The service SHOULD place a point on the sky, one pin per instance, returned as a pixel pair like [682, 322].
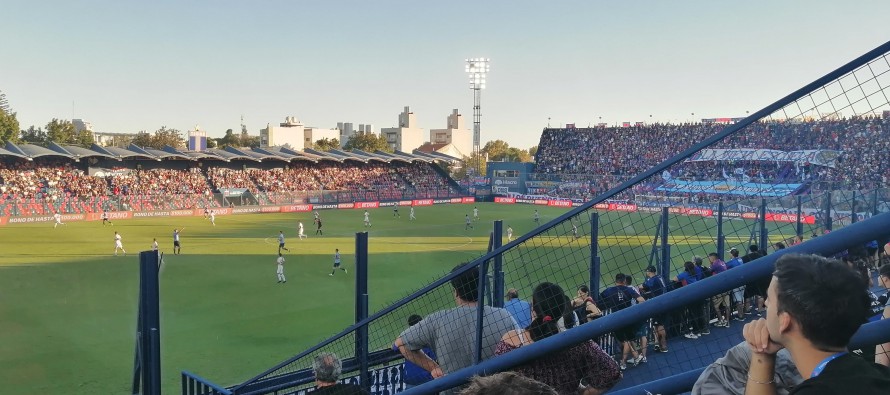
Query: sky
[128, 66]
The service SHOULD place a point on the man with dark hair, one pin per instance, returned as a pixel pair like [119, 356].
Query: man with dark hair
[327, 368]
[518, 308]
[755, 290]
[738, 294]
[654, 286]
[618, 297]
[452, 332]
[814, 306]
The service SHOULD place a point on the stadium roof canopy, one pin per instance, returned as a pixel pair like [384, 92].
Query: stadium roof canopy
[75, 152]
[227, 155]
[287, 152]
[193, 155]
[31, 151]
[351, 155]
[324, 155]
[5, 152]
[392, 158]
[413, 157]
[371, 156]
[121, 153]
[259, 156]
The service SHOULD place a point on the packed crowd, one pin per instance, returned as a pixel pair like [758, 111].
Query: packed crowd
[625, 152]
[159, 182]
[47, 182]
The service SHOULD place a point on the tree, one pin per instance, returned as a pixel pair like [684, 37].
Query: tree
[212, 143]
[60, 131]
[368, 142]
[229, 140]
[142, 139]
[9, 126]
[496, 149]
[164, 137]
[533, 151]
[246, 140]
[33, 135]
[84, 138]
[517, 155]
[326, 144]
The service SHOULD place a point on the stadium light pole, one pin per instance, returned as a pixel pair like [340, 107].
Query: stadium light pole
[477, 68]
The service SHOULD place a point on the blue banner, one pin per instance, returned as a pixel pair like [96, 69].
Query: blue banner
[729, 188]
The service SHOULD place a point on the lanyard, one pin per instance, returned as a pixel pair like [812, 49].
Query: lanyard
[819, 368]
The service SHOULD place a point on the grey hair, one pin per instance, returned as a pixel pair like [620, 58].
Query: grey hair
[327, 367]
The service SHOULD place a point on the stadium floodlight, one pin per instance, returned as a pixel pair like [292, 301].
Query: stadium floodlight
[476, 69]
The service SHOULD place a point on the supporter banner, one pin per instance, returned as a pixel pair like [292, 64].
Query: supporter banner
[817, 157]
[729, 188]
[103, 172]
[807, 219]
[422, 202]
[559, 203]
[466, 200]
[296, 208]
[112, 215]
[230, 192]
[270, 209]
[504, 200]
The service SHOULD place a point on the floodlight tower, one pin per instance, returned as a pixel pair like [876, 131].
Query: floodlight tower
[477, 68]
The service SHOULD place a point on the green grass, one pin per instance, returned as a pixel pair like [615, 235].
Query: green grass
[68, 307]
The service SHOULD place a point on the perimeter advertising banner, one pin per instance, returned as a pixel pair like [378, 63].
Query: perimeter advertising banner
[422, 202]
[504, 200]
[296, 208]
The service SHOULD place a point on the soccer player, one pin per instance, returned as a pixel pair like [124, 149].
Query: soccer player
[318, 227]
[213, 217]
[118, 245]
[337, 262]
[411, 214]
[469, 224]
[575, 230]
[509, 233]
[280, 270]
[395, 211]
[58, 218]
[206, 213]
[154, 244]
[301, 234]
[537, 218]
[315, 213]
[281, 240]
[367, 219]
[176, 246]
[475, 213]
[105, 218]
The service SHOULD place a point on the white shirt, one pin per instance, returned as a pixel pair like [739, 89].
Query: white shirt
[154, 246]
[117, 238]
[366, 216]
[509, 231]
[336, 257]
[301, 227]
[280, 264]
[57, 217]
[175, 236]
[476, 212]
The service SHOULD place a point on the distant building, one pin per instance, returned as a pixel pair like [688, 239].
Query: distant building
[312, 135]
[455, 134]
[407, 136]
[347, 131]
[289, 133]
[80, 124]
[113, 139]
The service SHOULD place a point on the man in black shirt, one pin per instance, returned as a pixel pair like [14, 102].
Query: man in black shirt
[327, 368]
[814, 306]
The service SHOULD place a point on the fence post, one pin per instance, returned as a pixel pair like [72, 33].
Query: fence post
[828, 220]
[498, 298]
[799, 228]
[764, 233]
[665, 247]
[853, 209]
[721, 238]
[361, 307]
[149, 323]
[594, 254]
[480, 309]
[874, 203]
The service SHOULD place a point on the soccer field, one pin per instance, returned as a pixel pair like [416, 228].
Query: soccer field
[69, 307]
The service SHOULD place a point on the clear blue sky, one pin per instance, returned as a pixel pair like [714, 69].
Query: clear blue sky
[130, 66]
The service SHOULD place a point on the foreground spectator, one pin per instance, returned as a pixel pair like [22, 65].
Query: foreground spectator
[882, 351]
[519, 308]
[565, 369]
[729, 374]
[327, 368]
[415, 375]
[452, 332]
[654, 286]
[814, 306]
[616, 298]
[506, 383]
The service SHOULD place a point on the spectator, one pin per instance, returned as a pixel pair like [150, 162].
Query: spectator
[519, 308]
[722, 300]
[814, 306]
[755, 290]
[738, 294]
[562, 370]
[415, 375]
[327, 368]
[882, 351]
[654, 286]
[451, 332]
[616, 298]
[729, 374]
[695, 311]
[506, 383]
[585, 308]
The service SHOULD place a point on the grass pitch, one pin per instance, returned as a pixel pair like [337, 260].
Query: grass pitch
[68, 307]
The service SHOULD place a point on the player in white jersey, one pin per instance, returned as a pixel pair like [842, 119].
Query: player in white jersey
[367, 219]
[281, 240]
[58, 218]
[154, 244]
[213, 217]
[280, 270]
[575, 230]
[509, 234]
[337, 263]
[176, 246]
[475, 213]
[118, 245]
[469, 222]
[301, 234]
[537, 218]
[105, 218]
[411, 214]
